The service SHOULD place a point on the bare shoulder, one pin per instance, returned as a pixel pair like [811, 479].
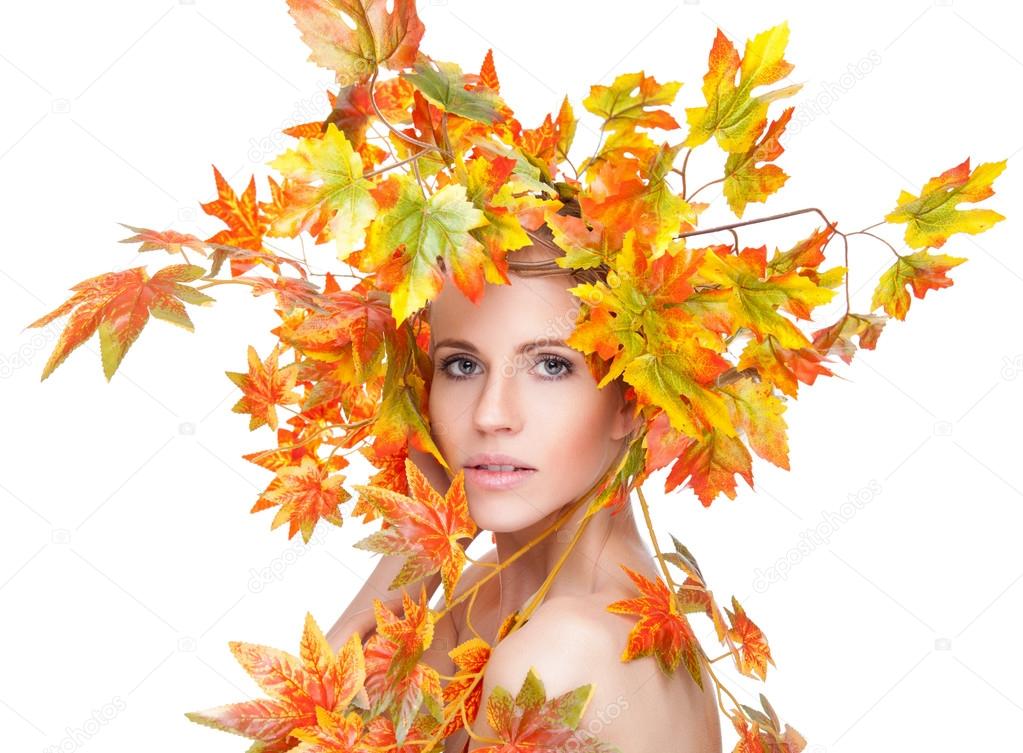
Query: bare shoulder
[574, 641]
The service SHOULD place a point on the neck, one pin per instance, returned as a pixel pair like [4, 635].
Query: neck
[590, 566]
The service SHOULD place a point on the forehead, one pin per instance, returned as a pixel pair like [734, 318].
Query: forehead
[506, 315]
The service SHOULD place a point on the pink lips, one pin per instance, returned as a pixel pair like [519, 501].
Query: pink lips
[497, 479]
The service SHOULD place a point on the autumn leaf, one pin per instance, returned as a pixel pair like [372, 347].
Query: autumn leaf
[921, 271]
[754, 653]
[633, 321]
[306, 493]
[733, 115]
[424, 526]
[932, 216]
[464, 693]
[755, 408]
[445, 86]
[711, 463]
[530, 722]
[170, 241]
[333, 733]
[405, 242]
[755, 301]
[396, 681]
[766, 736]
[118, 304]
[837, 338]
[378, 38]
[746, 181]
[783, 367]
[693, 595]
[342, 190]
[628, 102]
[662, 631]
[491, 185]
[265, 386]
[297, 686]
[245, 225]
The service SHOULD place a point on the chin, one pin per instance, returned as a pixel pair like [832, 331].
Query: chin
[501, 512]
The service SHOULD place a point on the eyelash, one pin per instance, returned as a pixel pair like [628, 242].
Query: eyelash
[544, 358]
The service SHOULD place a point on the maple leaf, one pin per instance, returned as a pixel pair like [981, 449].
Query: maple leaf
[921, 271]
[623, 110]
[333, 733]
[245, 225]
[783, 367]
[406, 240]
[754, 653]
[293, 209]
[633, 320]
[424, 526]
[297, 686]
[756, 409]
[662, 631]
[490, 186]
[343, 191]
[766, 736]
[378, 37]
[745, 181]
[755, 300]
[838, 337]
[395, 678]
[401, 418]
[118, 304]
[445, 86]
[265, 386]
[380, 736]
[530, 722]
[932, 216]
[710, 462]
[733, 115]
[464, 693]
[306, 492]
[170, 241]
[693, 595]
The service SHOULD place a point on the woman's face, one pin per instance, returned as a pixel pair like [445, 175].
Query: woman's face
[506, 387]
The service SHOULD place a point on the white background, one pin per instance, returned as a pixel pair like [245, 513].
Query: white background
[128, 557]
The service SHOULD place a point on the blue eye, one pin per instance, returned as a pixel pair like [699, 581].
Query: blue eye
[546, 358]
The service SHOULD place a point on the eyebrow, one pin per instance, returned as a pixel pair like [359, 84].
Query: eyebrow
[466, 345]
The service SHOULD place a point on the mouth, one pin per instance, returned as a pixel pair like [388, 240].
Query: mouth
[497, 477]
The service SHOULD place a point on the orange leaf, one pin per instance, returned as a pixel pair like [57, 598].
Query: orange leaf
[306, 492]
[662, 631]
[754, 653]
[265, 386]
[318, 678]
[424, 526]
[245, 225]
[395, 678]
[118, 304]
[170, 241]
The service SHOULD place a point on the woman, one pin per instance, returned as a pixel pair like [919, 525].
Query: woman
[502, 385]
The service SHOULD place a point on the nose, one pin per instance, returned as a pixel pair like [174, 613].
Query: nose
[496, 407]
